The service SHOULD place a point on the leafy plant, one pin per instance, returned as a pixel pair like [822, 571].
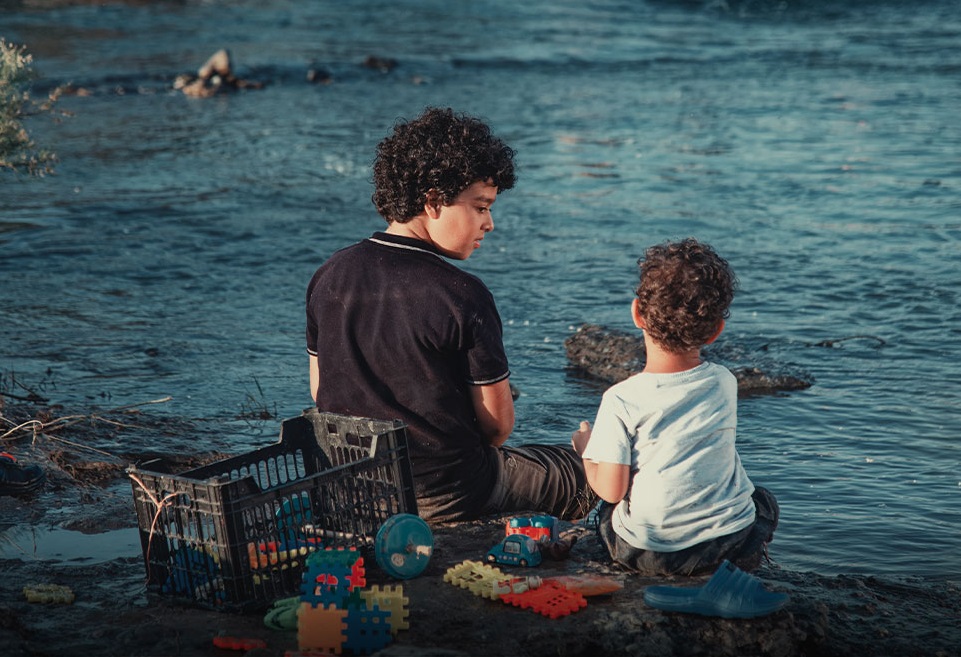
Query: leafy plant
[18, 153]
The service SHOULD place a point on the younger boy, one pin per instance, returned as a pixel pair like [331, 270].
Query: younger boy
[394, 330]
[662, 453]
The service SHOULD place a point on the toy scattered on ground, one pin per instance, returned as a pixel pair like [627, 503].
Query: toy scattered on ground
[549, 599]
[48, 594]
[543, 529]
[234, 535]
[235, 643]
[588, 584]
[516, 585]
[537, 527]
[730, 593]
[475, 576]
[546, 598]
[282, 614]
[336, 614]
[403, 546]
[516, 550]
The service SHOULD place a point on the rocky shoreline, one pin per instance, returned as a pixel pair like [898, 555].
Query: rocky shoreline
[114, 614]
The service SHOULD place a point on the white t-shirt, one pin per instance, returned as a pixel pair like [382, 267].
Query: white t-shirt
[676, 432]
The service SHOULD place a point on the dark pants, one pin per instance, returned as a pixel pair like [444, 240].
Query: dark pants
[541, 478]
[744, 549]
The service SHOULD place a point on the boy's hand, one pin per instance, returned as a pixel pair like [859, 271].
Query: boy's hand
[581, 437]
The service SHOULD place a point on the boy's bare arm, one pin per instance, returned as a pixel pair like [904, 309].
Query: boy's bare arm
[494, 407]
[314, 377]
[609, 480]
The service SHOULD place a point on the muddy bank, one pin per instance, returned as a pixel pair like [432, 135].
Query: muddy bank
[113, 614]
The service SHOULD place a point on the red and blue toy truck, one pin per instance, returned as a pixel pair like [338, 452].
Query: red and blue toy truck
[537, 527]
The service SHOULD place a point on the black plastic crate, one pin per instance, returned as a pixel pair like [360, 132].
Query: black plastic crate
[234, 535]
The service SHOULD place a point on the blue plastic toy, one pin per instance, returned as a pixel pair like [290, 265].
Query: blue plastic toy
[403, 546]
[515, 550]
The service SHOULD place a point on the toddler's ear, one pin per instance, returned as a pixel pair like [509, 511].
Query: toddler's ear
[636, 314]
[720, 328]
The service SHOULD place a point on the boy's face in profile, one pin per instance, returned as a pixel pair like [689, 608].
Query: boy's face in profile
[457, 229]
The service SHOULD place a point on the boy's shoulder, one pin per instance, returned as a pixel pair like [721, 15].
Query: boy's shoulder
[391, 258]
[644, 380]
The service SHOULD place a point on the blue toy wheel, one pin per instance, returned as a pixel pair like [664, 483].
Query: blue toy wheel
[403, 546]
[292, 516]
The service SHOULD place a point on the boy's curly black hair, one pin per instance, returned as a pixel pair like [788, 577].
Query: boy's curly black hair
[685, 291]
[439, 153]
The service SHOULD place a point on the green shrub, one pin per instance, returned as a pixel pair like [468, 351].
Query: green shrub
[18, 153]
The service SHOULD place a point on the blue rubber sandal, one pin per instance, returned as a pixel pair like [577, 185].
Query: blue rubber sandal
[730, 593]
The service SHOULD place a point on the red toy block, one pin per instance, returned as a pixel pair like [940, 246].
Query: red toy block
[235, 643]
[549, 599]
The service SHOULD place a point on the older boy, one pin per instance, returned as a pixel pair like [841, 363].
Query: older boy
[394, 330]
[662, 453]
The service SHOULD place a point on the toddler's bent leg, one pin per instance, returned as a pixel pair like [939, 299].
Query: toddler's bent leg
[754, 548]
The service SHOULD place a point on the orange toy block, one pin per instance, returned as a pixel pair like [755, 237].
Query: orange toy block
[321, 628]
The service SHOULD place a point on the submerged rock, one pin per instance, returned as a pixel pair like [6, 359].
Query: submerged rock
[215, 76]
[611, 355]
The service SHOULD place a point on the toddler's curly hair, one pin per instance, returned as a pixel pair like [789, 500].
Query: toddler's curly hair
[685, 292]
[439, 154]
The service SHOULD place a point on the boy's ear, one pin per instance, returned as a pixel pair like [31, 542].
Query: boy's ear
[636, 314]
[720, 328]
[432, 204]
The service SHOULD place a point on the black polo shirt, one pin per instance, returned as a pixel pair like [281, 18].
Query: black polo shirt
[400, 332]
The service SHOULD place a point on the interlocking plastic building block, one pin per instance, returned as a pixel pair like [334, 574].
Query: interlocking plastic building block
[390, 599]
[321, 628]
[341, 557]
[238, 643]
[549, 599]
[337, 614]
[478, 577]
[368, 629]
[332, 576]
[48, 593]
[323, 586]
[346, 556]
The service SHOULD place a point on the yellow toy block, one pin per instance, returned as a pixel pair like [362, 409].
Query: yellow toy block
[478, 577]
[48, 593]
[390, 599]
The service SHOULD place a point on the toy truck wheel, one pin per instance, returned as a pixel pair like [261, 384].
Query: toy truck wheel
[523, 563]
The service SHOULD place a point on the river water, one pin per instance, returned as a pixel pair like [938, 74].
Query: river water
[816, 145]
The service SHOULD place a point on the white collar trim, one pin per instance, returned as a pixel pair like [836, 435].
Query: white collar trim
[402, 246]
